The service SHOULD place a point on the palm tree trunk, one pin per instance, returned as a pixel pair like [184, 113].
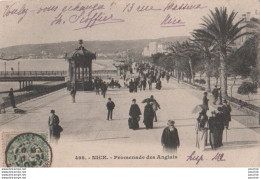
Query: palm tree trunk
[191, 71]
[207, 67]
[223, 74]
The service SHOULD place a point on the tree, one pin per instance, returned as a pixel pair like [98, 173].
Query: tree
[246, 88]
[220, 28]
[186, 56]
[206, 49]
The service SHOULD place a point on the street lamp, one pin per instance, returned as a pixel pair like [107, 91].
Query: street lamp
[5, 68]
[18, 67]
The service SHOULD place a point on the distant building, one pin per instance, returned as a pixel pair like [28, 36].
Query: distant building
[246, 18]
[153, 48]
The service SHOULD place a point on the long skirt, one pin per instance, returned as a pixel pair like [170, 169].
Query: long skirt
[133, 123]
[172, 149]
[202, 138]
[212, 139]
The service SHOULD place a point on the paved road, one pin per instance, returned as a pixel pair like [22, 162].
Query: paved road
[87, 132]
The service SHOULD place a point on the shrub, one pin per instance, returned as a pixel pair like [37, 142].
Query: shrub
[201, 81]
[246, 88]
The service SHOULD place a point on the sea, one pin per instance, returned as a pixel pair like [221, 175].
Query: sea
[44, 65]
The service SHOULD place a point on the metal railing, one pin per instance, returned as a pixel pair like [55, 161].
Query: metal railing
[47, 73]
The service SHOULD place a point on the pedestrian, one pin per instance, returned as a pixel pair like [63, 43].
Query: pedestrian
[150, 83]
[215, 94]
[11, 97]
[73, 94]
[148, 115]
[205, 100]
[167, 77]
[155, 106]
[54, 128]
[134, 114]
[112, 83]
[227, 113]
[110, 107]
[159, 84]
[95, 85]
[220, 125]
[202, 130]
[213, 130]
[144, 83]
[131, 86]
[170, 138]
[2, 105]
[104, 89]
[124, 76]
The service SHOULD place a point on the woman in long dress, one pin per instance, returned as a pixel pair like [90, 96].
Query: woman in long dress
[202, 130]
[134, 114]
[148, 115]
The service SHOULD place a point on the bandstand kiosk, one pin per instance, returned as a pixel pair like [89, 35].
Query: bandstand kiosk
[80, 69]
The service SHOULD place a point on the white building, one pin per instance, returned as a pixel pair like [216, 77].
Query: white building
[153, 48]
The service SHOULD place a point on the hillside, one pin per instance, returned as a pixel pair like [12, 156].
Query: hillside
[59, 49]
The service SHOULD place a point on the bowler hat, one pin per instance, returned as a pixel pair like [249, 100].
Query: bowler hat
[170, 123]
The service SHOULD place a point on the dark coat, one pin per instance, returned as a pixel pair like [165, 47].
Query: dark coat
[56, 131]
[134, 111]
[110, 105]
[212, 124]
[220, 118]
[148, 116]
[215, 92]
[170, 139]
[226, 111]
[205, 101]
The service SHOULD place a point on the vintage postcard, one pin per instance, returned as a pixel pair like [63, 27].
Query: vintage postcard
[130, 83]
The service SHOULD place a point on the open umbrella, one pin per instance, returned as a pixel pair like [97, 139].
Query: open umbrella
[199, 108]
[148, 100]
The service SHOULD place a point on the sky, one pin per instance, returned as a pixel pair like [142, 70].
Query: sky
[33, 22]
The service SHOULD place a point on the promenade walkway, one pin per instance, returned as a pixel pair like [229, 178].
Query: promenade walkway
[88, 133]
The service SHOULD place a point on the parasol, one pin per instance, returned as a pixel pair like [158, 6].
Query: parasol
[149, 100]
[199, 108]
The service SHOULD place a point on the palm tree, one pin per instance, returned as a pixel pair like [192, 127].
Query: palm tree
[207, 50]
[185, 51]
[220, 28]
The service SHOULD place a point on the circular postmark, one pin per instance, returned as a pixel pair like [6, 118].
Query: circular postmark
[28, 150]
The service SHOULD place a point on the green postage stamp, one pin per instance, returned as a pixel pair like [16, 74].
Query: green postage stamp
[26, 150]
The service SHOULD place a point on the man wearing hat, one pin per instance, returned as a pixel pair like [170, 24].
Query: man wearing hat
[215, 93]
[226, 111]
[53, 124]
[170, 138]
[156, 106]
[110, 107]
[205, 100]
[220, 118]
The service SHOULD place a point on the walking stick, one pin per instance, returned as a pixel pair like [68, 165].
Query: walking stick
[197, 141]
[226, 135]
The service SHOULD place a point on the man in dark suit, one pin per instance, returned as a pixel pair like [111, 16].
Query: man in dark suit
[110, 107]
[227, 113]
[170, 138]
[205, 100]
[220, 126]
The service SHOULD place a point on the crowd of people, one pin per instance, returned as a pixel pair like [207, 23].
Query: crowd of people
[147, 75]
[209, 130]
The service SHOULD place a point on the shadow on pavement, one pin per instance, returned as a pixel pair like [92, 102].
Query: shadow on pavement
[239, 145]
